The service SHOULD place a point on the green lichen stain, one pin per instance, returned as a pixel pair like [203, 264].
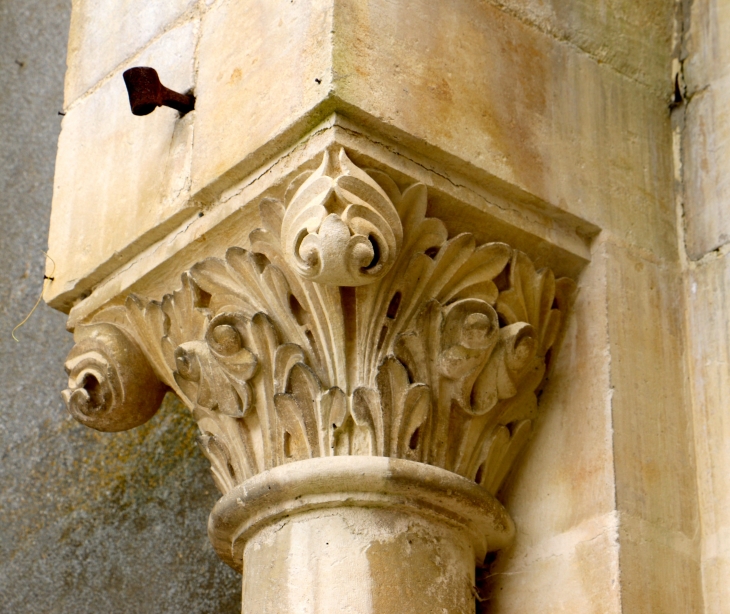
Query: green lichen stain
[128, 469]
[109, 476]
[112, 520]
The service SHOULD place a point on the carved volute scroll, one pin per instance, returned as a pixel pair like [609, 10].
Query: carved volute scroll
[111, 386]
[353, 326]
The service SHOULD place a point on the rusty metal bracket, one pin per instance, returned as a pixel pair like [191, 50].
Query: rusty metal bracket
[146, 92]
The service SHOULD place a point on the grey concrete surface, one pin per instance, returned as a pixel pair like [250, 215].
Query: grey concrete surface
[89, 522]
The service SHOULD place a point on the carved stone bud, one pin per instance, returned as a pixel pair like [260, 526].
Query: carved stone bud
[111, 386]
[341, 228]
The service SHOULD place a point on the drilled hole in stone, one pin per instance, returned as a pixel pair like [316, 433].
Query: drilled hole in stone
[376, 253]
[480, 474]
[287, 444]
[299, 313]
[413, 443]
[502, 280]
[260, 261]
[93, 388]
[383, 333]
[203, 299]
[394, 305]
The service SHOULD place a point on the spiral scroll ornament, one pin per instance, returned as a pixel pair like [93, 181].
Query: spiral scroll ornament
[111, 386]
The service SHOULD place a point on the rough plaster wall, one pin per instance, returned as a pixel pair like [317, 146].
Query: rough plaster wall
[89, 522]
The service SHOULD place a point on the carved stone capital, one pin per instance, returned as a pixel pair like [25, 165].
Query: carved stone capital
[353, 326]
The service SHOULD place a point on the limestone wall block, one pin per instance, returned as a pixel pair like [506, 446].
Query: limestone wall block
[526, 110]
[660, 569]
[121, 181]
[706, 158]
[705, 138]
[709, 305]
[263, 65]
[104, 34]
[707, 43]
[715, 572]
[576, 571]
[654, 460]
[634, 38]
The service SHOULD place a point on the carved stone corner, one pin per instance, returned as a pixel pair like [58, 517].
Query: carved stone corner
[353, 328]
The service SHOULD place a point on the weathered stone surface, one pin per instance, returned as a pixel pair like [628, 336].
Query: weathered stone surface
[557, 240]
[709, 305]
[706, 130]
[614, 442]
[706, 158]
[431, 348]
[448, 80]
[359, 534]
[342, 561]
[656, 489]
[668, 564]
[631, 37]
[559, 108]
[122, 181]
[95, 522]
[517, 104]
[576, 571]
[705, 137]
[263, 66]
[562, 495]
[105, 34]
[706, 44]
[654, 462]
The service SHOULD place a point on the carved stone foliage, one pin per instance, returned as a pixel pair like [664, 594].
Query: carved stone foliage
[353, 326]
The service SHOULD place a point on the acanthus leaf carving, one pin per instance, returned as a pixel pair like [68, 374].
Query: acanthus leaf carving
[295, 349]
